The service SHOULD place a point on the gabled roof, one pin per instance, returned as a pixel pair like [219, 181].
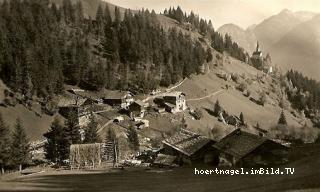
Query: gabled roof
[239, 143]
[187, 142]
[173, 94]
[140, 103]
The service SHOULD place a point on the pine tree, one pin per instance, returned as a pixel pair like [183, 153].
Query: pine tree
[91, 131]
[133, 138]
[282, 119]
[72, 128]
[20, 146]
[242, 119]
[111, 135]
[57, 147]
[217, 108]
[4, 144]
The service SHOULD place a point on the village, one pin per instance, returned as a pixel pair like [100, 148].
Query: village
[119, 112]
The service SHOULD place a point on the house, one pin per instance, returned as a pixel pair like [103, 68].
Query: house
[244, 149]
[190, 148]
[118, 98]
[175, 102]
[137, 109]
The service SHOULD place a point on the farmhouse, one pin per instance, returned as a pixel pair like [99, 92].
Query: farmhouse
[118, 98]
[175, 102]
[137, 109]
[241, 148]
[190, 149]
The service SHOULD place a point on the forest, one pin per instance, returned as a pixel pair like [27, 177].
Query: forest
[44, 46]
[304, 92]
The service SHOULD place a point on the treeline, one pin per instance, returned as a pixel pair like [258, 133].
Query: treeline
[43, 46]
[14, 146]
[205, 28]
[303, 92]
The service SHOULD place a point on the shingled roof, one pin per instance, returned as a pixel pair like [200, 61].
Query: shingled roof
[239, 143]
[187, 142]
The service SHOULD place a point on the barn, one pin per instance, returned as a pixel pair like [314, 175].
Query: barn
[190, 149]
[243, 149]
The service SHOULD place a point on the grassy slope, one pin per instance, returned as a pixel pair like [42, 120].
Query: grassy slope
[232, 100]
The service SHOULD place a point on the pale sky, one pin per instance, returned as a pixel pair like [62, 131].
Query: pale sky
[240, 12]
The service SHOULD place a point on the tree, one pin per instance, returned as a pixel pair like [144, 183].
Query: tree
[90, 132]
[57, 147]
[133, 138]
[72, 128]
[282, 120]
[20, 146]
[217, 108]
[4, 144]
[111, 135]
[242, 119]
[263, 98]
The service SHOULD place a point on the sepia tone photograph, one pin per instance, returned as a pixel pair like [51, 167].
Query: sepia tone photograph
[160, 95]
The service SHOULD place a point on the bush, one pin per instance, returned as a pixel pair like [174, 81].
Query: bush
[242, 87]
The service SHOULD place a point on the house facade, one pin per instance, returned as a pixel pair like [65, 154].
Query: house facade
[175, 102]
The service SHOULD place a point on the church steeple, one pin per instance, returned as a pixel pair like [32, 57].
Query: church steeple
[258, 47]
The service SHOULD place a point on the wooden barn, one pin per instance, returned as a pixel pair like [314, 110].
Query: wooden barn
[244, 149]
[190, 149]
[118, 98]
[137, 109]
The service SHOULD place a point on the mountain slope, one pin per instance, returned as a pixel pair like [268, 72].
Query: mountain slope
[245, 38]
[300, 48]
[274, 28]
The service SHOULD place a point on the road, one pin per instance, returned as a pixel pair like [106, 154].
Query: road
[205, 97]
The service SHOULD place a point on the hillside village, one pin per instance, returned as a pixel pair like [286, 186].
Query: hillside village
[231, 110]
[171, 116]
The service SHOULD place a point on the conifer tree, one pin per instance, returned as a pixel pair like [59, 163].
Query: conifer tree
[91, 131]
[57, 147]
[242, 119]
[282, 119]
[4, 144]
[217, 108]
[20, 146]
[72, 128]
[133, 138]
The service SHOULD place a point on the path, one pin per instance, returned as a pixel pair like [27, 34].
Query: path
[166, 91]
[205, 97]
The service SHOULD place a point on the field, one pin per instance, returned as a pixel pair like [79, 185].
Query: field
[305, 178]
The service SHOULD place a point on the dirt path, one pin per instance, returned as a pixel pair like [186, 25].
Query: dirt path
[205, 97]
[166, 91]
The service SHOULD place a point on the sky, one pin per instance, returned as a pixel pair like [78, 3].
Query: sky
[243, 13]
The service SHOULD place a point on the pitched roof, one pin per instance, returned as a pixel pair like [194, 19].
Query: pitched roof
[116, 94]
[187, 142]
[239, 143]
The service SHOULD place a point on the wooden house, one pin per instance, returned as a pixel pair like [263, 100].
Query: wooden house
[190, 149]
[137, 109]
[244, 149]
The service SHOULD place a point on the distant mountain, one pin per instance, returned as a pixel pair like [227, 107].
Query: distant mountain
[300, 48]
[245, 38]
[269, 31]
[274, 28]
